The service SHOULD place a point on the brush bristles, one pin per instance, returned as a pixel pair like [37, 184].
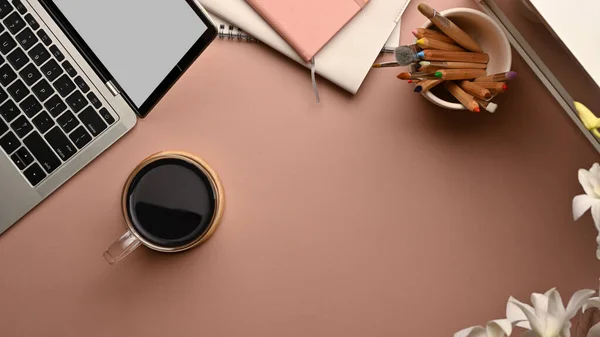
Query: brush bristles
[406, 55]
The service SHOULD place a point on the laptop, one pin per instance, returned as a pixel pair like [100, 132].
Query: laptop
[75, 75]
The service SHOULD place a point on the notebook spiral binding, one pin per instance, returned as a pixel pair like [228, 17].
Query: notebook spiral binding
[234, 33]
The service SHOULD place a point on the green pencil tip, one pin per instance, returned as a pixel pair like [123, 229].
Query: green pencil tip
[438, 74]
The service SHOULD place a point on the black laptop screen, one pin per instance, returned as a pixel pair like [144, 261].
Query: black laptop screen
[139, 42]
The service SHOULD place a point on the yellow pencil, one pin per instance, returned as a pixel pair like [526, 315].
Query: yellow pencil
[427, 43]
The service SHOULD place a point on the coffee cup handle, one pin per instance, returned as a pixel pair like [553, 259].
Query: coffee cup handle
[126, 244]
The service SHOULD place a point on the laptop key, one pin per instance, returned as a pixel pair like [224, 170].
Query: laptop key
[76, 101]
[5, 8]
[30, 74]
[7, 75]
[81, 84]
[3, 95]
[57, 53]
[39, 54]
[44, 37]
[27, 38]
[55, 106]
[17, 58]
[9, 143]
[30, 106]
[3, 127]
[43, 122]
[34, 174]
[18, 90]
[21, 126]
[92, 121]
[80, 137]
[25, 156]
[14, 23]
[43, 90]
[7, 43]
[32, 22]
[94, 100]
[67, 121]
[52, 70]
[18, 161]
[60, 143]
[42, 152]
[9, 111]
[107, 116]
[69, 69]
[19, 6]
[64, 85]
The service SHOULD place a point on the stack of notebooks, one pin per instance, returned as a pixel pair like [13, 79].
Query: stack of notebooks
[342, 38]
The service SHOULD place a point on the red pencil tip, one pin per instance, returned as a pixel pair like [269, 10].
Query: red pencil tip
[476, 109]
[504, 87]
[409, 81]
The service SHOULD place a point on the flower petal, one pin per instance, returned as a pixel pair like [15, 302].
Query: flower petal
[552, 325]
[584, 180]
[594, 331]
[529, 333]
[566, 330]
[593, 302]
[498, 328]
[540, 304]
[596, 214]
[594, 176]
[577, 301]
[513, 313]
[474, 331]
[555, 304]
[536, 326]
[581, 204]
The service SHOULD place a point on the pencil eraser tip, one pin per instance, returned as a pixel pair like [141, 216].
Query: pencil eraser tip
[438, 74]
[418, 88]
[420, 41]
[409, 81]
[511, 75]
[504, 87]
[421, 54]
[477, 109]
[415, 32]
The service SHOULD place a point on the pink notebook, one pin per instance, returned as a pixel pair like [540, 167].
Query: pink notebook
[307, 25]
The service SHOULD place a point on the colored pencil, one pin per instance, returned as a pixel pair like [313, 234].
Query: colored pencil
[459, 74]
[464, 98]
[454, 65]
[425, 85]
[427, 43]
[386, 64]
[501, 77]
[489, 106]
[449, 28]
[494, 87]
[475, 90]
[430, 69]
[420, 33]
[416, 76]
[457, 56]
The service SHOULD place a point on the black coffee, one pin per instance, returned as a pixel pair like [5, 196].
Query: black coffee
[171, 203]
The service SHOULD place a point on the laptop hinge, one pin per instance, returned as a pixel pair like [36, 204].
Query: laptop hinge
[113, 88]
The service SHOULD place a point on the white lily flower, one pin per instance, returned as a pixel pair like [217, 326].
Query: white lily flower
[590, 181]
[548, 317]
[496, 328]
[593, 302]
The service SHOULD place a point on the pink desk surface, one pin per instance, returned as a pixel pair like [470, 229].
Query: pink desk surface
[374, 215]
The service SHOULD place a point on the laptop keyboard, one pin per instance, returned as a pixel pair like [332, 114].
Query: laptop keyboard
[48, 112]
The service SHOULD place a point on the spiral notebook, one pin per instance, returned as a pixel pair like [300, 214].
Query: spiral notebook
[229, 32]
[346, 59]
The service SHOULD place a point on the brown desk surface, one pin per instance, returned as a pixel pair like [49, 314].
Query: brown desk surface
[374, 215]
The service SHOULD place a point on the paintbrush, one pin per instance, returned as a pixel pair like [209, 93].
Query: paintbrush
[386, 64]
[417, 76]
[406, 55]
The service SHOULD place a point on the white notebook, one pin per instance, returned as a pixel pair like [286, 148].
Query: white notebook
[347, 58]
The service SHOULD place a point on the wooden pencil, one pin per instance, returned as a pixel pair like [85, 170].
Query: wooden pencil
[416, 76]
[501, 77]
[459, 74]
[430, 69]
[454, 65]
[475, 90]
[425, 85]
[427, 43]
[494, 87]
[464, 98]
[487, 105]
[457, 56]
[420, 33]
[449, 28]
